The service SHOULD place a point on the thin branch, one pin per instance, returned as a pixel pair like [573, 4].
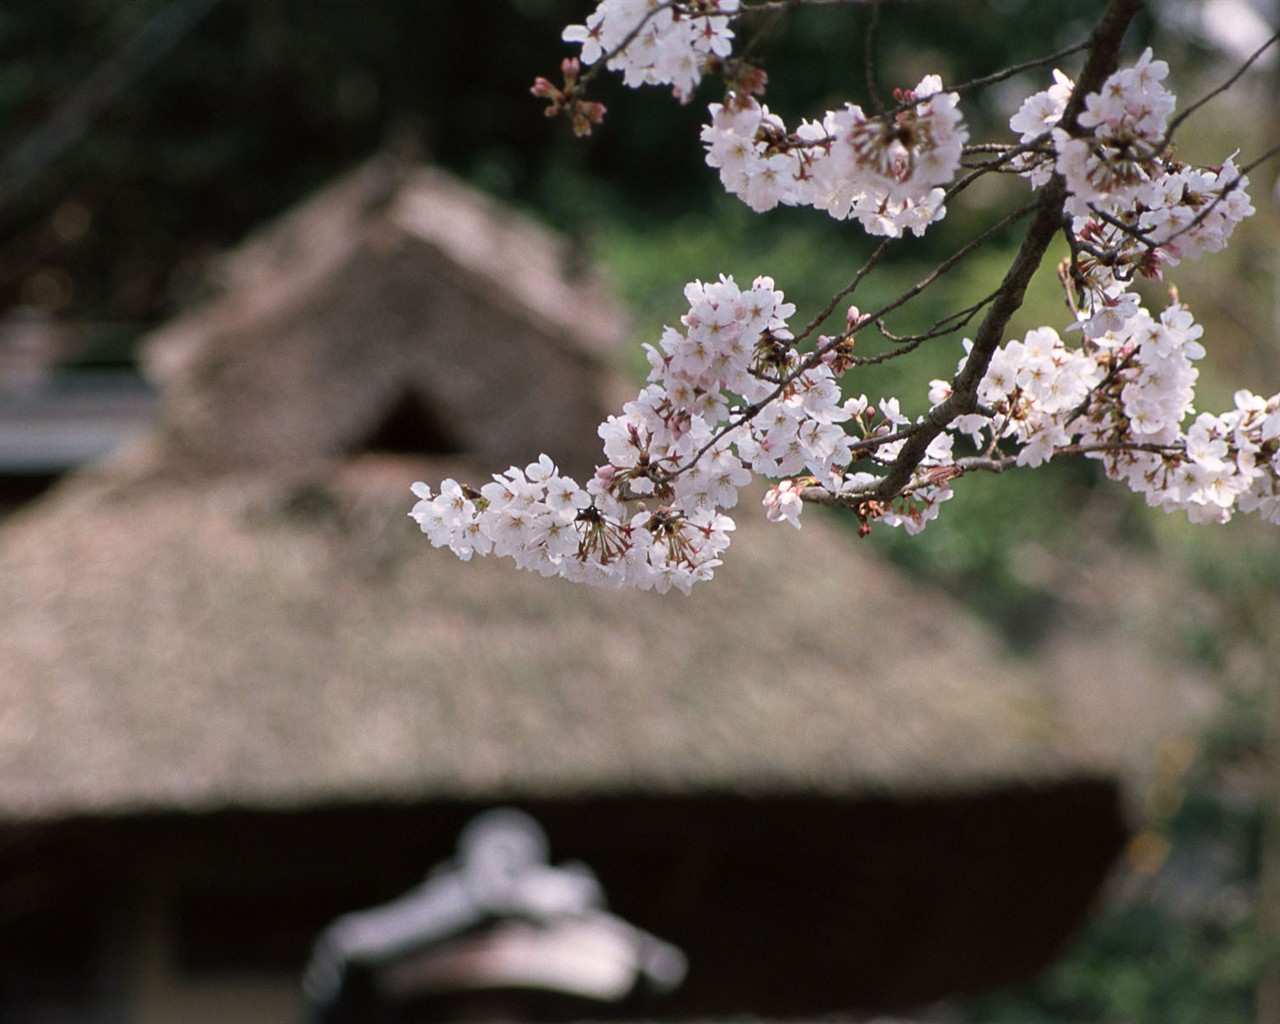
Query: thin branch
[1258, 160]
[905, 346]
[948, 324]
[1177, 121]
[847, 290]
[879, 440]
[1017, 69]
[915, 289]
[873, 87]
[999, 164]
[950, 262]
[987, 147]
[788, 5]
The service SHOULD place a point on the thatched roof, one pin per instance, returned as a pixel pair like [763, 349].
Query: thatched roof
[240, 643]
[240, 612]
[392, 300]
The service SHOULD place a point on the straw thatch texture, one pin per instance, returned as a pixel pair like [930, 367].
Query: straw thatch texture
[240, 643]
[389, 291]
[240, 612]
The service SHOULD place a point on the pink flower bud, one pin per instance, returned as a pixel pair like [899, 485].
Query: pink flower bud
[544, 89]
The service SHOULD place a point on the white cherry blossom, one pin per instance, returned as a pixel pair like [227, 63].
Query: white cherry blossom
[669, 42]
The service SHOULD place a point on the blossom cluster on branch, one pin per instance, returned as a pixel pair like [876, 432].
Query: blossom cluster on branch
[883, 172]
[1123, 398]
[1134, 208]
[733, 394]
[656, 43]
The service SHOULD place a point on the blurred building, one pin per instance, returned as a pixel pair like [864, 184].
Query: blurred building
[54, 418]
[241, 695]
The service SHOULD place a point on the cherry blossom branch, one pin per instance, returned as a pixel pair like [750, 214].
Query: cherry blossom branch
[970, 464]
[1103, 57]
[814, 357]
[730, 396]
[1151, 244]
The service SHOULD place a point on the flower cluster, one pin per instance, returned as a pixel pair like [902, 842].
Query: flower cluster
[566, 99]
[653, 515]
[1031, 391]
[1134, 208]
[549, 524]
[1123, 398]
[1119, 154]
[1035, 120]
[1219, 464]
[657, 42]
[883, 171]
